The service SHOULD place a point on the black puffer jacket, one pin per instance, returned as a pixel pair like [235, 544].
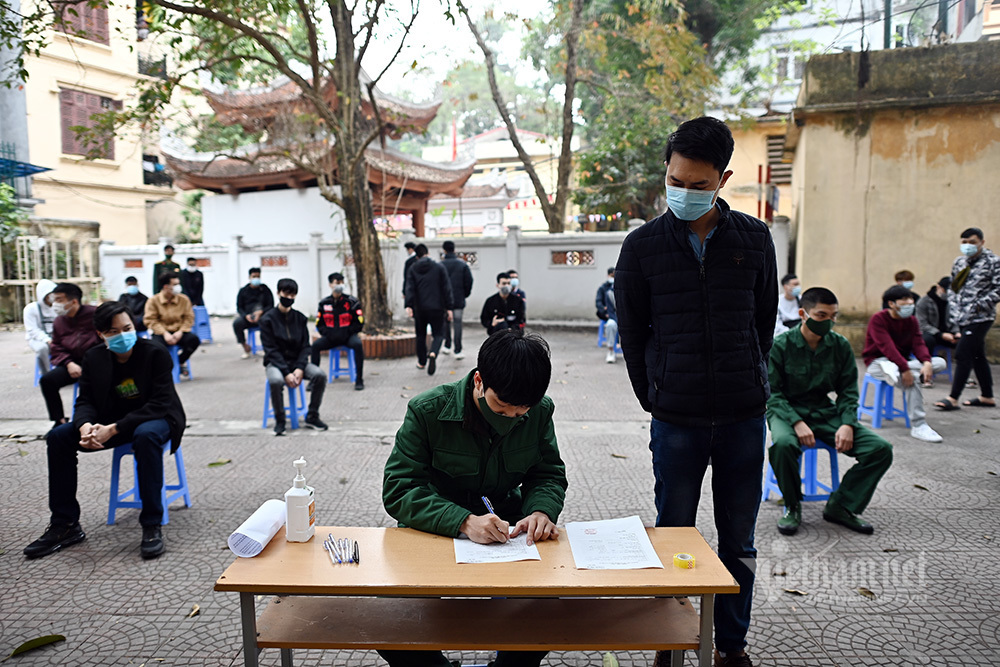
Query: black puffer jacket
[696, 337]
[428, 286]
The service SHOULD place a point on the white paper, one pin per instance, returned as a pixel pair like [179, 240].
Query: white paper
[615, 544]
[253, 535]
[514, 549]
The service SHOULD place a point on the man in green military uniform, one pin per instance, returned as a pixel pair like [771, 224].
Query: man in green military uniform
[168, 265]
[806, 364]
[488, 435]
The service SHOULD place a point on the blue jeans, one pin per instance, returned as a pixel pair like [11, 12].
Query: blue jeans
[147, 443]
[680, 457]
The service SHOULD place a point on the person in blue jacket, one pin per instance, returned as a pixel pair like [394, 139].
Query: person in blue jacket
[607, 313]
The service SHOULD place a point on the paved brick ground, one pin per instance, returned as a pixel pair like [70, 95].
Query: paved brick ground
[932, 562]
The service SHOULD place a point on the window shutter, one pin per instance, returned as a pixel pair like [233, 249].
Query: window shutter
[66, 121]
[98, 31]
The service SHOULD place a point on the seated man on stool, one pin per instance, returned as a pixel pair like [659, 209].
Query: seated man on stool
[170, 316]
[284, 335]
[126, 396]
[808, 363]
[72, 335]
[488, 435]
[252, 301]
[339, 322]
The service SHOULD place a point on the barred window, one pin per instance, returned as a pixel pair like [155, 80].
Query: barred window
[781, 172]
[273, 260]
[573, 257]
[470, 257]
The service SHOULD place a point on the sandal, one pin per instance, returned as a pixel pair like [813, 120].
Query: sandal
[946, 406]
[976, 403]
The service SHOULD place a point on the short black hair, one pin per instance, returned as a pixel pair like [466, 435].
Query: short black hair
[192, 259]
[410, 245]
[106, 313]
[611, 270]
[421, 250]
[705, 139]
[288, 285]
[165, 278]
[973, 231]
[789, 277]
[448, 246]
[814, 296]
[253, 270]
[905, 274]
[168, 247]
[335, 276]
[131, 279]
[502, 275]
[510, 271]
[945, 282]
[516, 366]
[70, 291]
[896, 292]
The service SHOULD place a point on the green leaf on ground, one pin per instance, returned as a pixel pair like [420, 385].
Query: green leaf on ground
[35, 643]
[219, 462]
[609, 660]
[866, 593]
[922, 488]
[21, 452]
[618, 456]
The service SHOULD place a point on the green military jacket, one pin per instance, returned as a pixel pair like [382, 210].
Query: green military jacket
[802, 378]
[447, 457]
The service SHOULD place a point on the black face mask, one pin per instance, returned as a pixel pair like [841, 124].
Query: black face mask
[286, 302]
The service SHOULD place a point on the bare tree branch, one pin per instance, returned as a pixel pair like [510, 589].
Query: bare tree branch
[414, 11]
[313, 43]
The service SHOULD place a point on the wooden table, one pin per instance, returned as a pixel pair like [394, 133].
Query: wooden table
[393, 598]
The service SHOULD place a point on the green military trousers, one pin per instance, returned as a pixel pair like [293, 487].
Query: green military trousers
[873, 454]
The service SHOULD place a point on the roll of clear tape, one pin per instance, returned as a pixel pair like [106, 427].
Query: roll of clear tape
[684, 561]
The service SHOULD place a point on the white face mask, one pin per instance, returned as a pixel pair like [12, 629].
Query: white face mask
[177, 289]
[59, 308]
[192, 268]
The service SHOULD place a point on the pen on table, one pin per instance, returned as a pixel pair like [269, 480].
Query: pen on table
[329, 550]
[357, 553]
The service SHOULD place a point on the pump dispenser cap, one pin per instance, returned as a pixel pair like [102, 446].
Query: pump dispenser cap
[300, 480]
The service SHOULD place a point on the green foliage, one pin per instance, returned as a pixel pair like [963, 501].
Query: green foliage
[191, 212]
[11, 215]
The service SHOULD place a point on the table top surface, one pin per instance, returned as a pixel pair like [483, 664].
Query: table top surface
[403, 562]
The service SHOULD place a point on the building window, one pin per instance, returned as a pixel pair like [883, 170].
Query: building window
[470, 257]
[82, 19]
[77, 109]
[271, 261]
[781, 172]
[790, 64]
[133, 263]
[573, 257]
[154, 173]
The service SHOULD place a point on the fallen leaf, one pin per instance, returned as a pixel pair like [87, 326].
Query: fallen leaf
[343, 480]
[404, 395]
[562, 381]
[618, 456]
[219, 462]
[922, 488]
[779, 574]
[35, 643]
[866, 593]
[977, 431]
[407, 387]
[990, 472]
[988, 538]
[795, 591]
[21, 452]
[195, 610]
[451, 373]
[890, 550]
[584, 428]
[609, 660]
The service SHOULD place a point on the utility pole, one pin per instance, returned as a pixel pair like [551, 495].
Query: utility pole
[887, 26]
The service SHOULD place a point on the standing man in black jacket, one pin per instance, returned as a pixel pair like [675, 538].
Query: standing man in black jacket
[126, 396]
[193, 282]
[284, 334]
[339, 322]
[253, 300]
[428, 302]
[461, 287]
[697, 297]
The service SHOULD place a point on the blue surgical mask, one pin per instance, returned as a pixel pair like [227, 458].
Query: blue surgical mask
[255, 282]
[797, 291]
[690, 205]
[121, 343]
[132, 289]
[514, 282]
[908, 284]
[907, 310]
[968, 249]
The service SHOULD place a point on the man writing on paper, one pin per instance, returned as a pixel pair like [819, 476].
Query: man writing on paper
[489, 434]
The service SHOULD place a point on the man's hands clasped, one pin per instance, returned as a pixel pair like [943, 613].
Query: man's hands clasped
[93, 436]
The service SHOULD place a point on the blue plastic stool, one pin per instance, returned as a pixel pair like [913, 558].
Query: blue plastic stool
[202, 325]
[810, 482]
[38, 372]
[601, 340]
[252, 338]
[295, 412]
[882, 404]
[947, 358]
[130, 498]
[335, 370]
[177, 365]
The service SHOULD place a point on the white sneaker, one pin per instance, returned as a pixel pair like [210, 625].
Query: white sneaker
[890, 369]
[926, 433]
[460, 355]
[611, 355]
[445, 350]
[245, 355]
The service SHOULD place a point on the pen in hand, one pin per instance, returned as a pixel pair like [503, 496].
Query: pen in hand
[489, 507]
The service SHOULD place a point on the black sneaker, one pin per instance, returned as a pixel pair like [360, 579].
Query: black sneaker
[431, 365]
[54, 539]
[359, 385]
[732, 660]
[279, 428]
[185, 373]
[314, 422]
[152, 542]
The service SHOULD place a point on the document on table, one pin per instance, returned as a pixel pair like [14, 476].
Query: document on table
[514, 549]
[615, 544]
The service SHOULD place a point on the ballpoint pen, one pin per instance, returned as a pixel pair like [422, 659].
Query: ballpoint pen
[329, 550]
[357, 553]
[489, 507]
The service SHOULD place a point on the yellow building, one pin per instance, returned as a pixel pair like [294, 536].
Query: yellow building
[91, 63]
[758, 146]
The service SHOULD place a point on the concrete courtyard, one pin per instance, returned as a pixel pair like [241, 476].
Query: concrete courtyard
[931, 566]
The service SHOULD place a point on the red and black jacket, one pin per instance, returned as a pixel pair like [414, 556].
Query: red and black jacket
[340, 315]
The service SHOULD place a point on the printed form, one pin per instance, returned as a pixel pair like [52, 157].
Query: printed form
[514, 549]
[614, 544]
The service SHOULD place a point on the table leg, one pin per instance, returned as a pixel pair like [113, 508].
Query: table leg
[248, 615]
[286, 657]
[677, 659]
[707, 624]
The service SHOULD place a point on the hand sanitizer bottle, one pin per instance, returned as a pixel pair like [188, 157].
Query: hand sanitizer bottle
[300, 508]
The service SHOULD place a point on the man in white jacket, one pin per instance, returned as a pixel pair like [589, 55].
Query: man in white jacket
[38, 319]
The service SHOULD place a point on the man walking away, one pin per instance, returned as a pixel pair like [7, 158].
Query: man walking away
[428, 302]
[461, 287]
[606, 312]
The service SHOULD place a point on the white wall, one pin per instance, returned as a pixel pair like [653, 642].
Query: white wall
[261, 217]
